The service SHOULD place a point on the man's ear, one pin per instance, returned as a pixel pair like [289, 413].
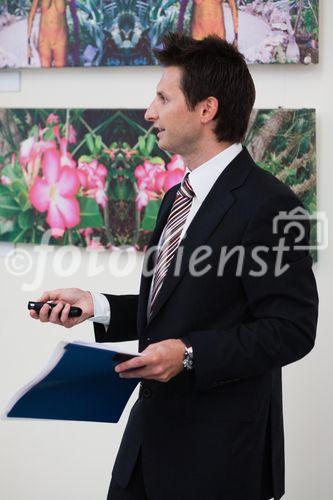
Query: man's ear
[209, 109]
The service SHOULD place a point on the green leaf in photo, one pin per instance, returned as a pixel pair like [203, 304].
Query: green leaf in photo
[23, 200]
[6, 225]
[98, 142]
[151, 211]
[90, 214]
[20, 236]
[18, 186]
[34, 131]
[13, 172]
[157, 159]
[8, 207]
[85, 159]
[90, 142]
[5, 190]
[121, 191]
[142, 145]
[26, 219]
[151, 141]
[49, 135]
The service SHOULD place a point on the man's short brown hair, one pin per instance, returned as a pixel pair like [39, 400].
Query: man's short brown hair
[213, 67]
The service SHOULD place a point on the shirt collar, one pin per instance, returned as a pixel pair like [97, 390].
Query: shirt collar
[203, 177]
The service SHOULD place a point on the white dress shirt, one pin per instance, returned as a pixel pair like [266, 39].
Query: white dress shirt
[202, 180]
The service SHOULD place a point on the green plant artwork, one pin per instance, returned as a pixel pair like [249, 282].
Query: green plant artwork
[95, 178]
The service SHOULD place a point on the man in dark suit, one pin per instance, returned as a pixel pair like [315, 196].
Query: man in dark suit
[227, 298]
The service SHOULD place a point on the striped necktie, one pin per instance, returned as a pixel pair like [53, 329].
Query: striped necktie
[171, 236]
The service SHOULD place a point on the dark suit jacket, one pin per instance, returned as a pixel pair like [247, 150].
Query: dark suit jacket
[217, 432]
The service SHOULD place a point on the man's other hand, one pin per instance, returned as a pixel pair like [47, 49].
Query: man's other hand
[160, 361]
[65, 298]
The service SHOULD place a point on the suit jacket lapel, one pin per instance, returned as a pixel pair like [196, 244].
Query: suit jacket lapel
[217, 203]
[149, 260]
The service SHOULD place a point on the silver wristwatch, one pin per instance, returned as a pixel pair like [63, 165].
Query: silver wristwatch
[188, 362]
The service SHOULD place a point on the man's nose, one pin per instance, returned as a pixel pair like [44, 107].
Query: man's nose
[151, 114]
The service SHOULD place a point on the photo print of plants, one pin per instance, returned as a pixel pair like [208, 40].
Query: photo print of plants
[43, 33]
[95, 178]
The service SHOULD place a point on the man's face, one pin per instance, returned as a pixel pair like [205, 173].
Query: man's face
[179, 127]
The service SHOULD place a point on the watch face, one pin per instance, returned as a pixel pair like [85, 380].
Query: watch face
[188, 359]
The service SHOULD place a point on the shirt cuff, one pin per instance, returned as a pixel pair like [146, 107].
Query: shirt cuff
[102, 312]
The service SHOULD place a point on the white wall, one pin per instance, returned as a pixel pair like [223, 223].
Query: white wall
[72, 461]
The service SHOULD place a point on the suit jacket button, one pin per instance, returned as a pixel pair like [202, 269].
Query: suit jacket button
[148, 339]
[146, 392]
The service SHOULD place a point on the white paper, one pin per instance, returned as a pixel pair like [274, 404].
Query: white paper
[110, 346]
[5, 248]
[10, 81]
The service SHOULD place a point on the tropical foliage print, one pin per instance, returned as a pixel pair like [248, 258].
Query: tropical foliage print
[125, 32]
[96, 178]
[283, 142]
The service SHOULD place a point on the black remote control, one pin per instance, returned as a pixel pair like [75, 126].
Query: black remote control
[74, 312]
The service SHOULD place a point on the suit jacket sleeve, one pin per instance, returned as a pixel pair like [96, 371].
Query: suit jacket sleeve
[283, 306]
[123, 324]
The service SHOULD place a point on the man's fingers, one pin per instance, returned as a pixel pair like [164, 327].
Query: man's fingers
[55, 312]
[59, 314]
[44, 313]
[50, 295]
[34, 314]
[145, 372]
[44, 297]
[65, 313]
[65, 319]
[136, 362]
[142, 372]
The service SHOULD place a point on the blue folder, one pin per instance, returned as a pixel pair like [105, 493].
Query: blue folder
[81, 385]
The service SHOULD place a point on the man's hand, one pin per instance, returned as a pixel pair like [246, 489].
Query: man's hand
[65, 298]
[160, 361]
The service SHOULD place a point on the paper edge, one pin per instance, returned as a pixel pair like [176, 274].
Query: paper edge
[55, 357]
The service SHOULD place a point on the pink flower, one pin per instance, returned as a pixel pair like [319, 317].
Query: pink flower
[175, 172]
[83, 177]
[66, 157]
[92, 176]
[139, 172]
[52, 119]
[95, 244]
[71, 135]
[153, 179]
[87, 231]
[160, 180]
[149, 175]
[101, 170]
[100, 197]
[5, 180]
[30, 149]
[27, 149]
[175, 163]
[55, 193]
[142, 200]
[172, 178]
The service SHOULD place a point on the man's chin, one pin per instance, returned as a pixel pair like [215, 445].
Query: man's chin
[162, 144]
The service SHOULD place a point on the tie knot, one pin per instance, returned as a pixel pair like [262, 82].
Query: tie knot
[186, 188]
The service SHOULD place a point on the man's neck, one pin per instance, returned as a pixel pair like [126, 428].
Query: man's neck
[197, 158]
